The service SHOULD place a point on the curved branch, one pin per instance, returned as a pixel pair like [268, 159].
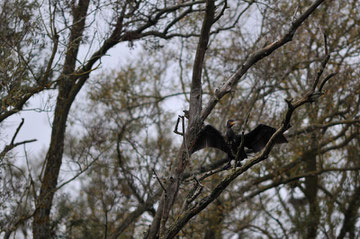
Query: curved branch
[255, 57]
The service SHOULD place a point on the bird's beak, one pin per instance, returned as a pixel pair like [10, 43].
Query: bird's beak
[234, 122]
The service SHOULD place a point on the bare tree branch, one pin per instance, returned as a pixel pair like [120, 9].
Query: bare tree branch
[12, 145]
[255, 57]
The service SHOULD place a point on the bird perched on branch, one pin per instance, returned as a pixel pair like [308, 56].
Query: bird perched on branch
[255, 140]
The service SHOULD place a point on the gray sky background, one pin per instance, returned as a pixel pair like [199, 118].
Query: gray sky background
[37, 124]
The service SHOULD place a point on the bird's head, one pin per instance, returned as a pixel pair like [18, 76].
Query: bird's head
[230, 123]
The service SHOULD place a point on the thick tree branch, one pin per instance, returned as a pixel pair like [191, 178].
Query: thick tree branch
[255, 57]
[53, 161]
[196, 86]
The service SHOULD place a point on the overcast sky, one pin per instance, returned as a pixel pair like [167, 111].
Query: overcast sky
[37, 124]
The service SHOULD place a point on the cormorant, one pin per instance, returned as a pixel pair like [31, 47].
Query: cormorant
[230, 134]
[255, 140]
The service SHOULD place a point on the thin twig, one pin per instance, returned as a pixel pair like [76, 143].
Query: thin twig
[17, 131]
[157, 177]
[325, 80]
[212, 172]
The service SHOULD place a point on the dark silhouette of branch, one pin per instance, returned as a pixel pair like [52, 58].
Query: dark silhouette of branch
[12, 144]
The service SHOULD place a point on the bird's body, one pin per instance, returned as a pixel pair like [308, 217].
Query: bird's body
[255, 140]
[230, 134]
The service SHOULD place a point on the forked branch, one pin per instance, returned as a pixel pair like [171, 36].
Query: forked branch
[12, 144]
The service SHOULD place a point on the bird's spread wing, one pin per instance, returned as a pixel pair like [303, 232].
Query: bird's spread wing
[210, 137]
[258, 138]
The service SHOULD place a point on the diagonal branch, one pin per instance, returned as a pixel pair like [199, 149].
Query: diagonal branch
[255, 57]
[17, 131]
[195, 94]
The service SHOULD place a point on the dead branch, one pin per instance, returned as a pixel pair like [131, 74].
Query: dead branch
[12, 145]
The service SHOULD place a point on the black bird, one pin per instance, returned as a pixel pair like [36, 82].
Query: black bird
[230, 134]
[255, 140]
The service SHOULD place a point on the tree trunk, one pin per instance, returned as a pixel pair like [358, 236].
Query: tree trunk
[311, 188]
[41, 225]
[66, 96]
[350, 216]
